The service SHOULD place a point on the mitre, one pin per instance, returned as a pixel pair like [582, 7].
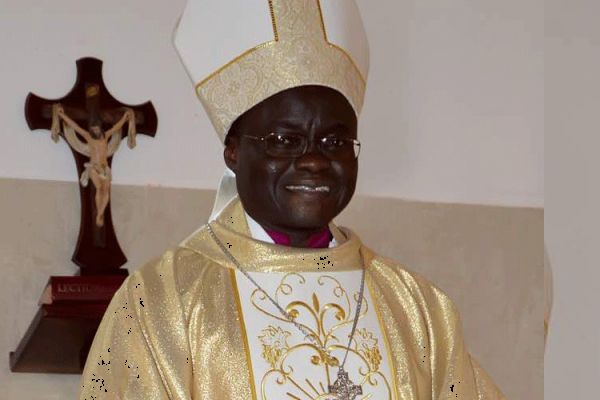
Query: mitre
[240, 52]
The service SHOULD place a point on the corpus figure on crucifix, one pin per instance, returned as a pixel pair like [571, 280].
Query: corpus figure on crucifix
[93, 122]
[96, 144]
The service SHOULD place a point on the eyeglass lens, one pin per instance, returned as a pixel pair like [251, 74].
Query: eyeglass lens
[294, 145]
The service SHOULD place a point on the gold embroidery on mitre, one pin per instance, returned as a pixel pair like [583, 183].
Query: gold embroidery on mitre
[273, 20]
[300, 54]
[328, 317]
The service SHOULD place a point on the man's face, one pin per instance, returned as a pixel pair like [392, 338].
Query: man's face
[291, 194]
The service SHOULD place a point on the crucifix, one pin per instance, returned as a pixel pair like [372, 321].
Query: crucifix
[90, 120]
[92, 123]
[343, 388]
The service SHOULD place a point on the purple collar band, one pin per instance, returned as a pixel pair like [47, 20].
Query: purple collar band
[319, 240]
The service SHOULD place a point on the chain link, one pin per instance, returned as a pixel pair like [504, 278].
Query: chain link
[308, 335]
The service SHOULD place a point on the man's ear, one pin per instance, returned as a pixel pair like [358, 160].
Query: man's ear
[230, 153]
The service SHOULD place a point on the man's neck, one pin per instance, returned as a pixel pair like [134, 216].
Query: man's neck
[315, 238]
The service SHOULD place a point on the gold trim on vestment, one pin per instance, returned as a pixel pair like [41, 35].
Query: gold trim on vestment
[257, 256]
[243, 332]
[384, 333]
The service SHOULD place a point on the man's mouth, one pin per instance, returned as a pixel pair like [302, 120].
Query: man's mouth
[308, 188]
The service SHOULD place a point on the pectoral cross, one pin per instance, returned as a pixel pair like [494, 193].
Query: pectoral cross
[90, 119]
[343, 388]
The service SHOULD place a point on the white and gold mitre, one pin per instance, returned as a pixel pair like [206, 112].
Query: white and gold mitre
[240, 52]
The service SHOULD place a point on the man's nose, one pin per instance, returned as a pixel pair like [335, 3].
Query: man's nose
[313, 158]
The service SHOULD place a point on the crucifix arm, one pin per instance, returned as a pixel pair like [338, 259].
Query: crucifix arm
[128, 115]
[74, 125]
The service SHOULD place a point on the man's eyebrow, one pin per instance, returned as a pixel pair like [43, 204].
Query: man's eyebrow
[300, 125]
[287, 124]
[336, 126]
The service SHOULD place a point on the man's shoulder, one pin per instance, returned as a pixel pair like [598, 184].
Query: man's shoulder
[180, 266]
[389, 272]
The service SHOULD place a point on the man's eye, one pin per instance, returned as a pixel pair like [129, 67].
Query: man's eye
[283, 140]
[333, 142]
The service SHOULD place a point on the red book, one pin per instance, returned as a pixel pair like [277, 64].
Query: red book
[81, 288]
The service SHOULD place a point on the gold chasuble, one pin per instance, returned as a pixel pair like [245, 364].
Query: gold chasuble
[190, 326]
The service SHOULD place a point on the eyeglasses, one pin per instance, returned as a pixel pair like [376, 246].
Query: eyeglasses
[292, 145]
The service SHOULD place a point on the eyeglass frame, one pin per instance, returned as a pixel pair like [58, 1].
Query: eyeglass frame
[355, 142]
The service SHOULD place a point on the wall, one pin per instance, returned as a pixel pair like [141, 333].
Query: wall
[454, 108]
[453, 84]
[572, 365]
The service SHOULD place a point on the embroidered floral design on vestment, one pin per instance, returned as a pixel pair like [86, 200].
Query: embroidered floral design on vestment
[328, 317]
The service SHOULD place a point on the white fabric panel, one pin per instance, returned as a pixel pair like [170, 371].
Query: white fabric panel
[212, 33]
[225, 193]
[345, 29]
[256, 322]
[305, 287]
[257, 231]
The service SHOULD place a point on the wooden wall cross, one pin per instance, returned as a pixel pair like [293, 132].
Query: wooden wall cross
[91, 121]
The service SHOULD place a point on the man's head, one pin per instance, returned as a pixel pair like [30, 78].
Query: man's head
[297, 191]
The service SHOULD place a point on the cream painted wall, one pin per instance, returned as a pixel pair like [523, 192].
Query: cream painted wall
[572, 219]
[454, 109]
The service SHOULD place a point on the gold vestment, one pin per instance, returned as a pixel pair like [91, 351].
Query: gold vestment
[173, 330]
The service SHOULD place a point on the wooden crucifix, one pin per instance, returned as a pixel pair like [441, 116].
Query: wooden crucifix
[91, 121]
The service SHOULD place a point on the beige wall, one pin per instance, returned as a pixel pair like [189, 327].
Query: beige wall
[572, 214]
[488, 259]
[453, 85]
